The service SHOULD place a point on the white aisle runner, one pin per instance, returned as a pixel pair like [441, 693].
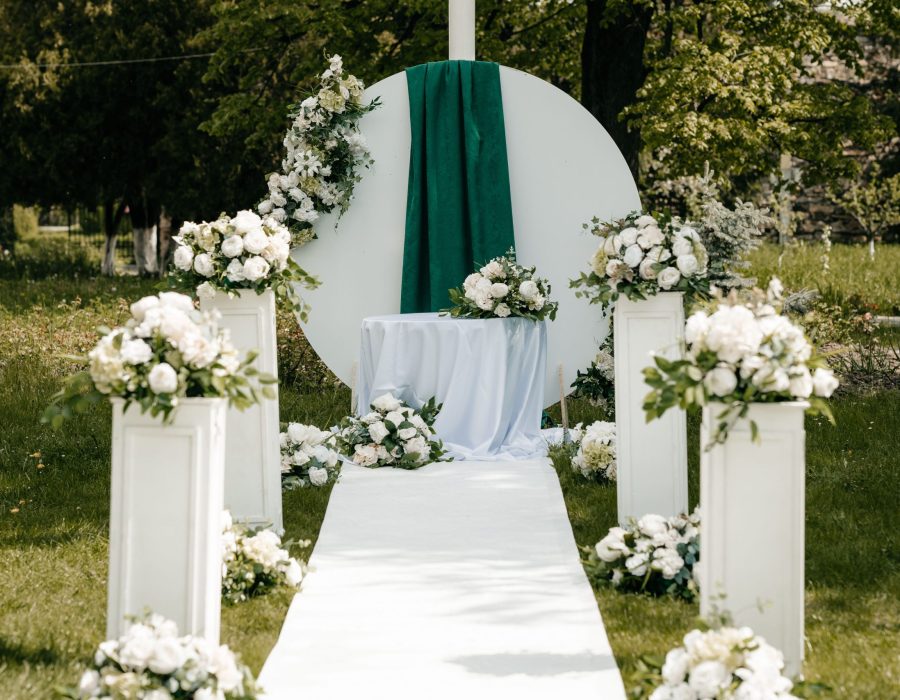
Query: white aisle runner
[457, 581]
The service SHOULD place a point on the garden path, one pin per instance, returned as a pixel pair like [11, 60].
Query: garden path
[460, 580]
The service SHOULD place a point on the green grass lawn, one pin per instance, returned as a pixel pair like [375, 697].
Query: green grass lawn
[54, 500]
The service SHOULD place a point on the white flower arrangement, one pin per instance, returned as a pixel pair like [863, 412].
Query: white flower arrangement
[652, 554]
[595, 458]
[741, 352]
[166, 350]
[254, 561]
[324, 149]
[392, 435]
[152, 662]
[503, 288]
[597, 382]
[727, 663]
[640, 256]
[308, 456]
[241, 252]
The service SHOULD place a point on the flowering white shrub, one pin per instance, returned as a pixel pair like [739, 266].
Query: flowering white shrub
[254, 561]
[308, 456]
[639, 256]
[240, 252]
[503, 288]
[392, 435]
[726, 664]
[166, 350]
[150, 661]
[741, 352]
[324, 149]
[596, 455]
[652, 554]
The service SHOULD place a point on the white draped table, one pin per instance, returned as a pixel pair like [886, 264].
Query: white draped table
[488, 373]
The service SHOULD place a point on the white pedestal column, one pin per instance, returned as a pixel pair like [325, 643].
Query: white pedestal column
[752, 544]
[165, 537]
[252, 459]
[652, 457]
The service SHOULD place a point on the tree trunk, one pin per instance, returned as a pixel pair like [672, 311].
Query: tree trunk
[144, 218]
[612, 68]
[871, 247]
[112, 216]
[165, 241]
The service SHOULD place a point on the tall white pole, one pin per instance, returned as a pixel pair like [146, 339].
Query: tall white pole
[462, 30]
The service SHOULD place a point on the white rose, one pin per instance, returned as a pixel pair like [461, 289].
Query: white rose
[802, 384]
[318, 476]
[209, 694]
[246, 221]
[502, 310]
[232, 246]
[265, 207]
[184, 258]
[235, 271]
[471, 281]
[378, 432]
[668, 277]
[824, 382]
[528, 290]
[203, 265]
[417, 446]
[644, 221]
[206, 292]
[628, 236]
[395, 418]
[653, 525]
[136, 352]
[89, 683]
[721, 381]
[682, 246]
[612, 546]
[650, 237]
[168, 656]
[633, 255]
[708, 678]
[493, 270]
[612, 245]
[696, 327]
[365, 455]
[407, 433]
[687, 264]
[499, 290]
[163, 379]
[484, 300]
[386, 402]
[255, 241]
[255, 268]
[646, 269]
[676, 666]
[140, 308]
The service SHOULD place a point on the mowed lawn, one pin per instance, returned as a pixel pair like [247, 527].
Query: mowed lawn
[54, 500]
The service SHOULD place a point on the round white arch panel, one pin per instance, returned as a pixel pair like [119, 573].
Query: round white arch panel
[564, 168]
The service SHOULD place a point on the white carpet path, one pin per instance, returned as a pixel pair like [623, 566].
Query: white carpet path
[457, 581]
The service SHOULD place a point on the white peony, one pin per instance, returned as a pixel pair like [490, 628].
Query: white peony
[493, 270]
[528, 290]
[235, 271]
[206, 292]
[385, 403]
[708, 678]
[720, 381]
[365, 455]
[255, 241]
[696, 327]
[246, 221]
[824, 382]
[801, 384]
[183, 258]
[499, 290]
[255, 268]
[628, 236]
[136, 352]
[163, 379]
[395, 418]
[653, 525]
[645, 220]
[417, 446]
[502, 310]
[668, 278]
[676, 666]
[682, 246]
[687, 265]
[646, 269]
[142, 306]
[318, 476]
[633, 255]
[232, 246]
[203, 265]
[378, 432]
[407, 433]
[168, 656]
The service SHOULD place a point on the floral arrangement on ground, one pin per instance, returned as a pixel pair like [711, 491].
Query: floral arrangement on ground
[640, 256]
[254, 561]
[726, 663]
[597, 382]
[741, 351]
[240, 252]
[324, 150]
[392, 435]
[652, 554]
[595, 451]
[152, 662]
[503, 288]
[166, 350]
[308, 456]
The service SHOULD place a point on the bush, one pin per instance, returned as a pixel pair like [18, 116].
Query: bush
[36, 259]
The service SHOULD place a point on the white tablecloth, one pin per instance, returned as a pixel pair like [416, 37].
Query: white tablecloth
[489, 374]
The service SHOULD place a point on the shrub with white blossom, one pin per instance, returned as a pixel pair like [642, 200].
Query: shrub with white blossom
[652, 554]
[595, 458]
[308, 456]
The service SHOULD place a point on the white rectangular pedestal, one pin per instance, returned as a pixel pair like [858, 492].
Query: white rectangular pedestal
[752, 544]
[652, 457]
[252, 461]
[165, 537]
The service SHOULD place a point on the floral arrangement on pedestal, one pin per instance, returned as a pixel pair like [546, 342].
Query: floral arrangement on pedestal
[503, 288]
[152, 662]
[254, 561]
[595, 458]
[740, 352]
[166, 350]
[392, 435]
[308, 456]
[324, 150]
[241, 252]
[652, 554]
[640, 256]
[727, 663]
[597, 382]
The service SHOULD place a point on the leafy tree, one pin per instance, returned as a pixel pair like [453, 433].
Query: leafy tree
[873, 200]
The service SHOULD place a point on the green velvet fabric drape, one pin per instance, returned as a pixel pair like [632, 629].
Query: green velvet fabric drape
[458, 210]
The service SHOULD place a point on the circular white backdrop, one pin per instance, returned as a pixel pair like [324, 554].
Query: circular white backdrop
[564, 168]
